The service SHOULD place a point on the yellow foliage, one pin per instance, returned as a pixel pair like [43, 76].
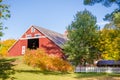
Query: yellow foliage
[109, 44]
[5, 45]
[38, 58]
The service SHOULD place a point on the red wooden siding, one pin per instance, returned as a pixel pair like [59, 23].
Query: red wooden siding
[16, 49]
[45, 43]
[50, 47]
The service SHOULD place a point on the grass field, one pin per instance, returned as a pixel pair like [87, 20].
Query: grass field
[24, 72]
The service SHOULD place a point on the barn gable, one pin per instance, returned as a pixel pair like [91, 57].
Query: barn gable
[40, 38]
[57, 38]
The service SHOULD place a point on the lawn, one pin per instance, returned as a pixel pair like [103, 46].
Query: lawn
[24, 72]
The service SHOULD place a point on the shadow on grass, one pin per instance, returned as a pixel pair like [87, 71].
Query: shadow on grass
[6, 68]
[114, 74]
[89, 74]
[98, 76]
[42, 72]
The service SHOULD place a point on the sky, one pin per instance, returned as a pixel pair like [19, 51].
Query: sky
[55, 15]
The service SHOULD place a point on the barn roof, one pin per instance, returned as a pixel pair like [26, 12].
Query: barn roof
[57, 38]
[108, 62]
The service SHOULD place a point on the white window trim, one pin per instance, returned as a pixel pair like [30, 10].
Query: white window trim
[37, 35]
[32, 29]
[28, 36]
[23, 50]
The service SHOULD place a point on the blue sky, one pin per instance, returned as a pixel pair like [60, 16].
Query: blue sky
[55, 15]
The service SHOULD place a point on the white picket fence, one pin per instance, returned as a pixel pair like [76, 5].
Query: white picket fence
[98, 69]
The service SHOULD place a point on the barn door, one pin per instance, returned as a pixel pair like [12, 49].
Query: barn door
[23, 49]
[33, 43]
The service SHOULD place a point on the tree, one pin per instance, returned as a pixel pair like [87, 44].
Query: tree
[82, 35]
[7, 68]
[109, 44]
[116, 20]
[4, 15]
[110, 36]
[106, 3]
[5, 45]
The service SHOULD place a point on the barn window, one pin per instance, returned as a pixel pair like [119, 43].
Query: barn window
[37, 35]
[28, 36]
[32, 29]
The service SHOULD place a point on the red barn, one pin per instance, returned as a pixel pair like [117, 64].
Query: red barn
[38, 37]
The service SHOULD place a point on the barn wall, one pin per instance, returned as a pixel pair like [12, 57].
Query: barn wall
[49, 46]
[32, 33]
[16, 49]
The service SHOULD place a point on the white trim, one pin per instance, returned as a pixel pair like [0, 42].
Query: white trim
[28, 35]
[23, 50]
[33, 37]
[21, 36]
[12, 45]
[37, 35]
[32, 29]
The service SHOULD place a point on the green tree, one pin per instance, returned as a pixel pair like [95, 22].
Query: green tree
[116, 20]
[106, 3]
[110, 36]
[4, 15]
[82, 35]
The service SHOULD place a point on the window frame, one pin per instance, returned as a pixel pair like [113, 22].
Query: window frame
[37, 35]
[32, 29]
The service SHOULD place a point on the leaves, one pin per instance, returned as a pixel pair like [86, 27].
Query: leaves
[109, 45]
[4, 15]
[6, 68]
[116, 20]
[82, 33]
[38, 58]
[106, 3]
[5, 45]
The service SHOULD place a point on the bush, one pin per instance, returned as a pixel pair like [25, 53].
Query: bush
[38, 58]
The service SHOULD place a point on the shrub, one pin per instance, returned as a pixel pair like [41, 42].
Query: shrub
[38, 58]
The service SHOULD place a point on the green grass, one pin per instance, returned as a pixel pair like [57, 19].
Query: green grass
[24, 72]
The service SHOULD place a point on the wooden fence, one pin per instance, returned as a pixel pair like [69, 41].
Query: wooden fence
[98, 69]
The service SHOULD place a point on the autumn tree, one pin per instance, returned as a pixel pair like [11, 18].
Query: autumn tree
[5, 45]
[4, 15]
[110, 39]
[109, 44]
[82, 36]
[110, 36]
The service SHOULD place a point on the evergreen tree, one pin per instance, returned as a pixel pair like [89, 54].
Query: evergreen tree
[106, 3]
[82, 36]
